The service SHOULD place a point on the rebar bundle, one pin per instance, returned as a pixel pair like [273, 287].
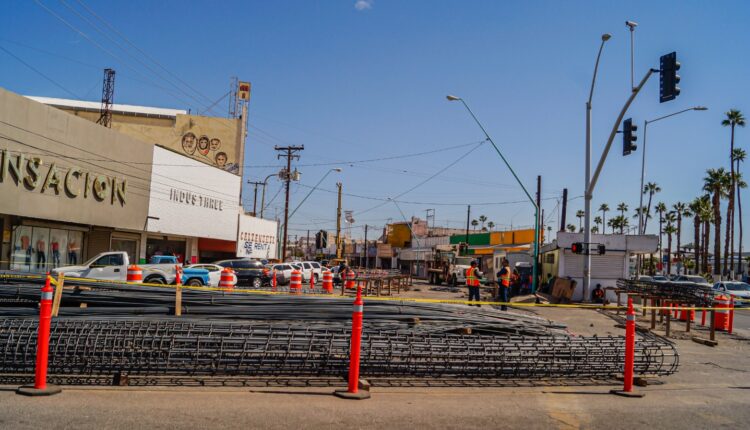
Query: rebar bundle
[173, 347]
[684, 292]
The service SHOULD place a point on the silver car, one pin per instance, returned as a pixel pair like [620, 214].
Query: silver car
[739, 290]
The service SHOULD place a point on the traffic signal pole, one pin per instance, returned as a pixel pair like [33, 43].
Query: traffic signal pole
[591, 184]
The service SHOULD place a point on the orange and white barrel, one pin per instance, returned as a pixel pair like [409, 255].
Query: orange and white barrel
[135, 274]
[295, 282]
[328, 281]
[350, 277]
[227, 280]
[721, 318]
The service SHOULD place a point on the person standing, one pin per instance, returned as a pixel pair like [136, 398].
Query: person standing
[472, 282]
[504, 276]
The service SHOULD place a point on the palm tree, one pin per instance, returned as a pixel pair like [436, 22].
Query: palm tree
[669, 230]
[696, 207]
[611, 224]
[597, 221]
[571, 228]
[580, 214]
[474, 223]
[604, 208]
[650, 188]
[707, 216]
[490, 225]
[679, 209]
[738, 156]
[623, 223]
[716, 182]
[733, 119]
[595, 229]
[622, 207]
[482, 219]
[661, 208]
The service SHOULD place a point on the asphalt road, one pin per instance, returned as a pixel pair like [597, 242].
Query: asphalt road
[742, 319]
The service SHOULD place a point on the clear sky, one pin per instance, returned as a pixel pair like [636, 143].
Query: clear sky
[357, 80]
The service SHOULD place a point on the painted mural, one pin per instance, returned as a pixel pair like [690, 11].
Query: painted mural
[210, 140]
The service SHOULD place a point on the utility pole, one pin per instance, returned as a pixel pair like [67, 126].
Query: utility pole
[255, 197]
[307, 245]
[108, 95]
[289, 155]
[338, 224]
[366, 256]
[538, 204]
[564, 209]
[468, 220]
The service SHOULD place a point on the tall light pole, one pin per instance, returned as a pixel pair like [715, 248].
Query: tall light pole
[263, 198]
[587, 195]
[531, 199]
[643, 169]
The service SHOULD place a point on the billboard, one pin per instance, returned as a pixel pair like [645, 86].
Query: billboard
[256, 238]
[185, 202]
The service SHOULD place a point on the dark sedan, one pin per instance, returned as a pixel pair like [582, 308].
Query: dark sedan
[249, 273]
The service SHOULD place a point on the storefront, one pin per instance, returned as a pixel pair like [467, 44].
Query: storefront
[193, 209]
[69, 188]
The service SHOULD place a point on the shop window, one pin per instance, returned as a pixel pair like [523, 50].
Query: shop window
[40, 249]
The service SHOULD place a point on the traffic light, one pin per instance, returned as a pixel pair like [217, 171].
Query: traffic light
[576, 248]
[668, 77]
[628, 136]
[321, 239]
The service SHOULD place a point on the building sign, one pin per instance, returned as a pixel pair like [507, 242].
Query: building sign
[243, 92]
[31, 173]
[190, 200]
[257, 238]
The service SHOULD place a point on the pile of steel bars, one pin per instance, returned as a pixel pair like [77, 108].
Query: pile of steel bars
[170, 346]
[683, 292]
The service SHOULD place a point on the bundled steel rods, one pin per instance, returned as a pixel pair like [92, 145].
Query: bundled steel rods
[173, 347]
[685, 292]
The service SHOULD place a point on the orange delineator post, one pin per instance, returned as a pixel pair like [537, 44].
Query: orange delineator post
[273, 280]
[627, 389]
[731, 314]
[352, 391]
[40, 387]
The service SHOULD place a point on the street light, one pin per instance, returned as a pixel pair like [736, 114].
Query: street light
[643, 168]
[588, 195]
[263, 198]
[536, 208]
[337, 169]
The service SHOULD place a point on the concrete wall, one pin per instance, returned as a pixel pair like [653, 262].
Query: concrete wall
[69, 167]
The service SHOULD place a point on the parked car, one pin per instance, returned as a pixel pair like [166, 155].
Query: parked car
[659, 278]
[314, 268]
[739, 290]
[283, 272]
[113, 266]
[693, 279]
[305, 273]
[249, 272]
[214, 273]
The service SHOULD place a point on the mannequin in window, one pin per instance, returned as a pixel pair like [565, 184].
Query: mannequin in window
[55, 252]
[72, 255]
[41, 254]
[26, 245]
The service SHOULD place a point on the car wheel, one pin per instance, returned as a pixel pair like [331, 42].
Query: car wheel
[257, 283]
[155, 280]
[194, 283]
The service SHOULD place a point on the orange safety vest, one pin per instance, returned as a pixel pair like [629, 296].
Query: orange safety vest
[471, 278]
[599, 293]
[505, 279]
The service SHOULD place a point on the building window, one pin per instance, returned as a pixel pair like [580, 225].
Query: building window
[40, 249]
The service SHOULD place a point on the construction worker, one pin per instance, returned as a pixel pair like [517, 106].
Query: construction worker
[597, 296]
[472, 281]
[504, 277]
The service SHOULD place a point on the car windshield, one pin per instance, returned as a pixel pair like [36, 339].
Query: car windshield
[659, 278]
[696, 279]
[737, 286]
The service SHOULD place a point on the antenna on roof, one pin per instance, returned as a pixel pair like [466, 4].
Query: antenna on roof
[108, 93]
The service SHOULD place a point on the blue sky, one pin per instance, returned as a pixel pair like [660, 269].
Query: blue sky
[360, 83]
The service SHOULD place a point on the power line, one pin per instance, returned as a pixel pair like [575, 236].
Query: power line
[37, 71]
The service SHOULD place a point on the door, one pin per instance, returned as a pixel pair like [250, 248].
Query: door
[109, 267]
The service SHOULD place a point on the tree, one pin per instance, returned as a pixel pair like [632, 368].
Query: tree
[604, 208]
[696, 207]
[580, 214]
[669, 230]
[622, 207]
[482, 219]
[679, 209]
[707, 216]
[611, 224]
[650, 188]
[739, 155]
[474, 223]
[597, 221]
[661, 208]
[733, 119]
[490, 225]
[716, 183]
[623, 223]
[571, 228]
[595, 229]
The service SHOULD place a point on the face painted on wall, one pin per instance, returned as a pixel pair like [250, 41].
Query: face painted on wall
[221, 159]
[203, 145]
[215, 144]
[188, 143]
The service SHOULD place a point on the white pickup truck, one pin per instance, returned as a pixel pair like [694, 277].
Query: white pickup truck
[114, 266]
